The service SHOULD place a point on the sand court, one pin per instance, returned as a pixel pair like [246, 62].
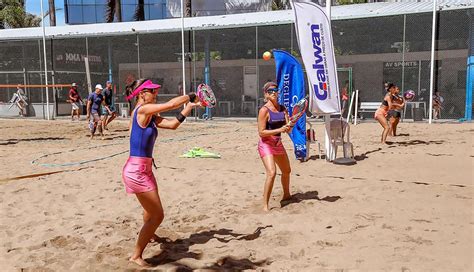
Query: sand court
[369, 216]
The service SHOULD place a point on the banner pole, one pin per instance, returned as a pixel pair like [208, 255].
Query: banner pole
[350, 107]
[45, 62]
[327, 118]
[356, 107]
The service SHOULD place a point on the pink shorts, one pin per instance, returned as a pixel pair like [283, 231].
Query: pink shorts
[138, 176]
[270, 145]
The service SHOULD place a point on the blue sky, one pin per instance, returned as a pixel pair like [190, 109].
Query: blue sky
[34, 7]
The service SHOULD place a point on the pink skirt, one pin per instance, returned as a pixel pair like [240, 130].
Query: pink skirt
[270, 145]
[138, 176]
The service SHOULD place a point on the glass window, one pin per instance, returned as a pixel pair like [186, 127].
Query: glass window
[154, 2]
[101, 13]
[74, 15]
[128, 13]
[154, 11]
[73, 2]
[129, 2]
[89, 14]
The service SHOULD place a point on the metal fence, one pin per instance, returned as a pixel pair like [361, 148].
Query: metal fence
[379, 49]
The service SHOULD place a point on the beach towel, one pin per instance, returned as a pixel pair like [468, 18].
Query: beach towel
[198, 152]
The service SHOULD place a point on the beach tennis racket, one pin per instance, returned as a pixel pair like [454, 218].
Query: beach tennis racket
[206, 96]
[299, 110]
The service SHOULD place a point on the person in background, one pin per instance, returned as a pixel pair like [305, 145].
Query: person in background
[382, 112]
[94, 102]
[437, 104]
[19, 99]
[76, 102]
[108, 116]
[395, 111]
[345, 99]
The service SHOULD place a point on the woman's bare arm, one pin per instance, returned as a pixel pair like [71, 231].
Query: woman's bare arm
[173, 123]
[150, 109]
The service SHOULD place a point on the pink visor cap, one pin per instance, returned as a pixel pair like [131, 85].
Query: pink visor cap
[145, 85]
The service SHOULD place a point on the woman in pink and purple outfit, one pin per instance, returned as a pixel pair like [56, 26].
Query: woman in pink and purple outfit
[137, 173]
[272, 121]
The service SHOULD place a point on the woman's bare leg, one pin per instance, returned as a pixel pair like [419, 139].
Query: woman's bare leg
[270, 170]
[146, 218]
[393, 126]
[284, 164]
[383, 122]
[151, 203]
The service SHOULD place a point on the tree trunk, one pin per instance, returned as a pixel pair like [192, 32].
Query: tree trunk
[52, 13]
[118, 10]
[140, 11]
[110, 13]
[187, 8]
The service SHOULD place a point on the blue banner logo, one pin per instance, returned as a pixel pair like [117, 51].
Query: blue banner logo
[289, 75]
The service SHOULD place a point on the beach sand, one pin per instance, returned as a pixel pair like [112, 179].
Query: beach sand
[403, 207]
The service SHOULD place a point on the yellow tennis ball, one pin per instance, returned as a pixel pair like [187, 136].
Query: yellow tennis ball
[267, 55]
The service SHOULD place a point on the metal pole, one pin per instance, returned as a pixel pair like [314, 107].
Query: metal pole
[41, 78]
[403, 52]
[86, 63]
[356, 106]
[419, 78]
[182, 47]
[470, 69]
[256, 66]
[433, 39]
[328, 9]
[55, 91]
[350, 107]
[138, 56]
[45, 63]
[194, 71]
[327, 118]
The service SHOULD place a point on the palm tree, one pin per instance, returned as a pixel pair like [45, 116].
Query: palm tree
[13, 15]
[187, 8]
[280, 4]
[114, 9]
[140, 11]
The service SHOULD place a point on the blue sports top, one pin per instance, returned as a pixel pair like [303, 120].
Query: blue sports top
[276, 119]
[142, 140]
[96, 100]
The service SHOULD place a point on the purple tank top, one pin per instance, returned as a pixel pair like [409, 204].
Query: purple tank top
[142, 140]
[276, 119]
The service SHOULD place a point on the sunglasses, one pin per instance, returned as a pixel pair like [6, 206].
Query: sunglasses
[152, 91]
[272, 90]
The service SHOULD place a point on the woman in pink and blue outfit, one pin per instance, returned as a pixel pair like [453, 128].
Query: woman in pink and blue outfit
[272, 121]
[137, 173]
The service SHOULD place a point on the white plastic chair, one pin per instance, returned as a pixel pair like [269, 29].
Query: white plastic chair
[124, 110]
[339, 135]
[311, 139]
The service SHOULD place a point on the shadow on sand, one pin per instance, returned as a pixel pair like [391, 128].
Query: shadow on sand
[364, 156]
[15, 141]
[298, 197]
[174, 251]
[415, 142]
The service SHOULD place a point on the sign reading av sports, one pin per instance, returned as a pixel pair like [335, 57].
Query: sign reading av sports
[316, 46]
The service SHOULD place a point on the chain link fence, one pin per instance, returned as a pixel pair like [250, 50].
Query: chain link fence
[376, 50]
